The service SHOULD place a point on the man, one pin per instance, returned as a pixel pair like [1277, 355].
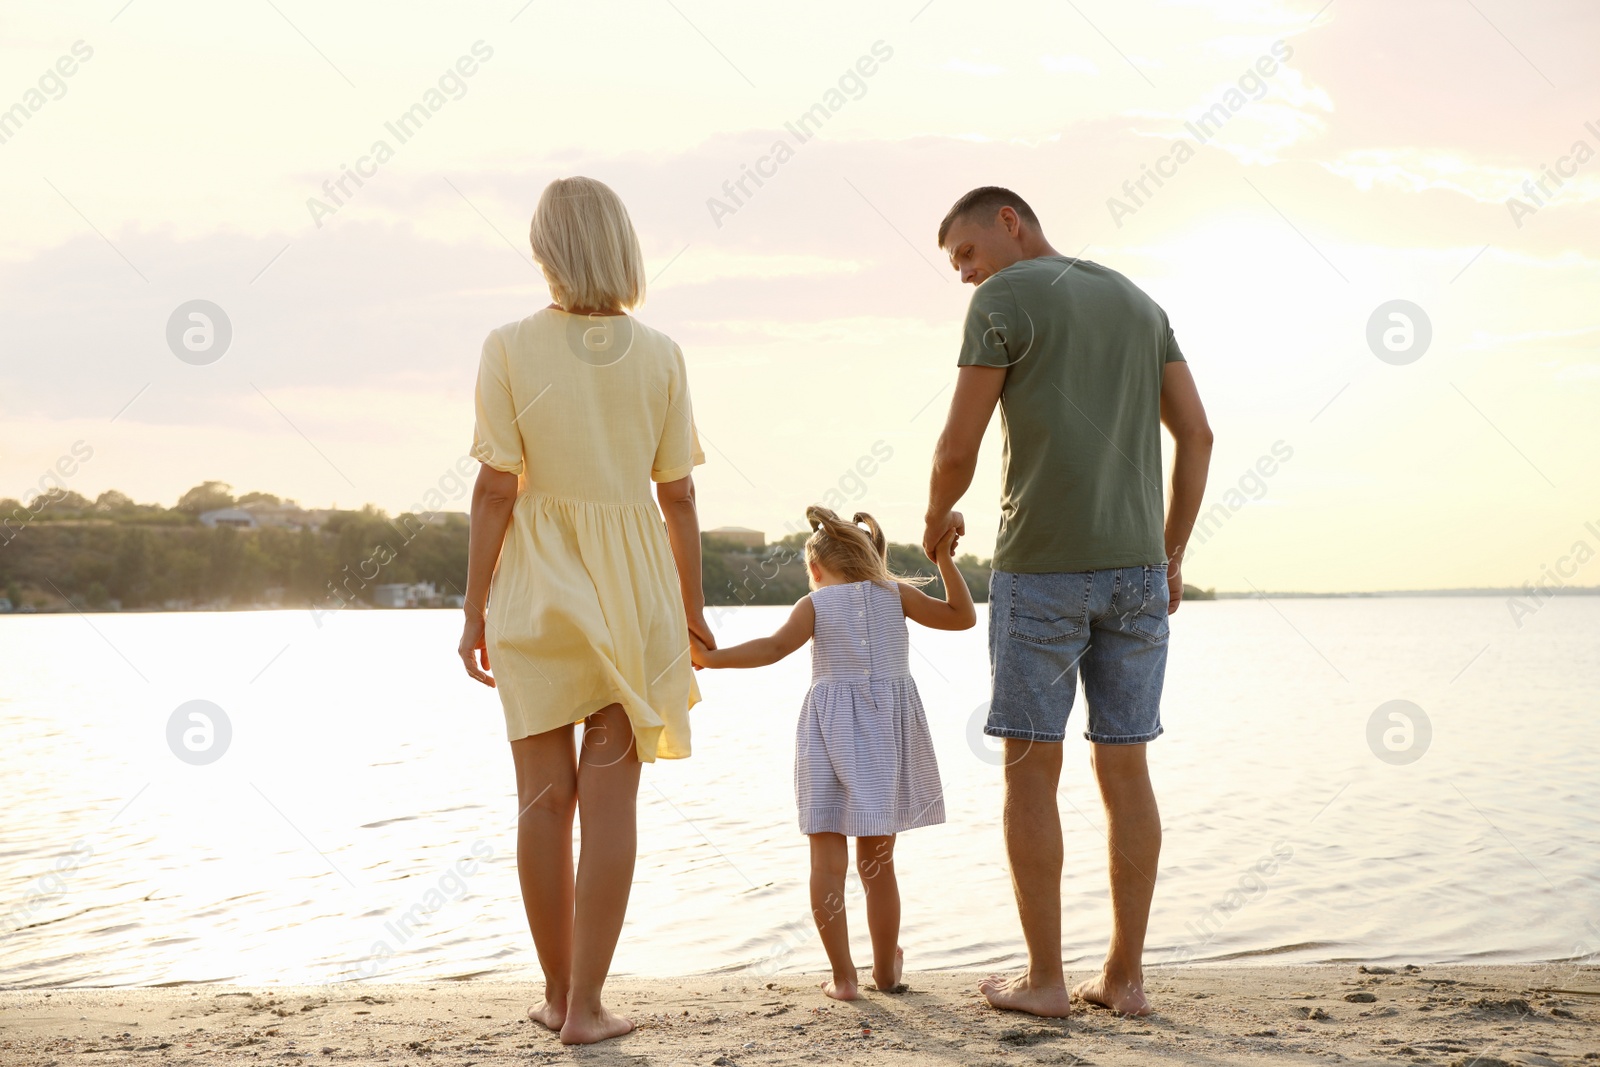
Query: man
[1085, 368]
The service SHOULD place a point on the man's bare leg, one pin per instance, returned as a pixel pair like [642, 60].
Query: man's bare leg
[1133, 829]
[1033, 845]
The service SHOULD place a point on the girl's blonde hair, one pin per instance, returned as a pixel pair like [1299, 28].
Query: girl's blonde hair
[585, 243]
[854, 554]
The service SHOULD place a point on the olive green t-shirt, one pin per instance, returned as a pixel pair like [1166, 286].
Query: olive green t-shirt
[1085, 350]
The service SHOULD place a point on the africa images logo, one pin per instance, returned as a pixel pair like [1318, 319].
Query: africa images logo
[852, 81]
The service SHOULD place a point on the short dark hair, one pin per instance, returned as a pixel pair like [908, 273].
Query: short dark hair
[988, 199]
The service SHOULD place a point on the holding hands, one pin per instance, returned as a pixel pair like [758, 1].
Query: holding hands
[699, 635]
[698, 650]
[939, 529]
[954, 613]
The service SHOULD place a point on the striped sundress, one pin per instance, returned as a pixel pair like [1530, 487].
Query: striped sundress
[864, 763]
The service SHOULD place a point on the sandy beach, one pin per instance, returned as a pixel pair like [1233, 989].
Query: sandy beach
[1466, 1016]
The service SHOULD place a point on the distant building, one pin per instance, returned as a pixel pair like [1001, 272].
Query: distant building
[287, 515]
[5, 605]
[742, 536]
[236, 517]
[405, 595]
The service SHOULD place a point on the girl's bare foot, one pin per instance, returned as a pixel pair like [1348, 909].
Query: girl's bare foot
[1020, 994]
[840, 989]
[549, 1013]
[1122, 997]
[890, 982]
[586, 1028]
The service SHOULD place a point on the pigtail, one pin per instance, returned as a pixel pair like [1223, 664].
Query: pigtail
[819, 516]
[847, 550]
[879, 543]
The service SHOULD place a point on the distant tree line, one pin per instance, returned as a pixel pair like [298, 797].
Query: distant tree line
[67, 551]
[777, 573]
[112, 552]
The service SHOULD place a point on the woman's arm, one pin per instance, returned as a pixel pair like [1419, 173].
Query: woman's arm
[493, 497]
[676, 500]
[795, 631]
[955, 613]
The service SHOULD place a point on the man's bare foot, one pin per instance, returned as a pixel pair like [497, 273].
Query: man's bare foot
[1122, 997]
[840, 989]
[549, 1013]
[1020, 994]
[890, 982]
[588, 1027]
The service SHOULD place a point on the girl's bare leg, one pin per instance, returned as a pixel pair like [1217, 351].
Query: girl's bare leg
[547, 792]
[830, 856]
[608, 791]
[875, 862]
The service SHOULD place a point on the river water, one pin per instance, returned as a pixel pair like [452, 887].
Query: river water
[365, 780]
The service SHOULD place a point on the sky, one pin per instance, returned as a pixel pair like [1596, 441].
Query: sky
[1358, 154]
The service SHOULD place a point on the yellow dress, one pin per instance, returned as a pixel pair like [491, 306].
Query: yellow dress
[585, 609]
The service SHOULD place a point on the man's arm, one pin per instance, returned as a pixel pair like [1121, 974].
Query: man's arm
[1185, 418]
[955, 457]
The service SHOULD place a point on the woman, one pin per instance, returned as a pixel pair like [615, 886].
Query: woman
[590, 598]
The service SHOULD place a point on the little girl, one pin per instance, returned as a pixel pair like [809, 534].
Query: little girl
[864, 764]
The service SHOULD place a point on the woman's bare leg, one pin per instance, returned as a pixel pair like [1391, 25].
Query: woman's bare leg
[608, 796]
[830, 855]
[875, 863]
[547, 791]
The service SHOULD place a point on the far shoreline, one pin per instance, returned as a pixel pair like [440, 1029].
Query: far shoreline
[1210, 595]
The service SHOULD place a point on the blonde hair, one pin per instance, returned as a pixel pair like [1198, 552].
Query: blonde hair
[854, 554]
[585, 244]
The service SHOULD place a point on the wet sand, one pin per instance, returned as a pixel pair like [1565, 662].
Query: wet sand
[1464, 1016]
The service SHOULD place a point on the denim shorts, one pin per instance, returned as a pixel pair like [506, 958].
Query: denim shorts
[1044, 628]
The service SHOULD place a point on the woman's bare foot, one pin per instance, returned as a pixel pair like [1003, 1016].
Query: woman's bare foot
[840, 989]
[549, 1013]
[1122, 997]
[890, 982]
[586, 1028]
[1020, 994]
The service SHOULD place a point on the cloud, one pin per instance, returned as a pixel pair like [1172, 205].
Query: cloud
[1416, 170]
[397, 292]
[982, 70]
[1069, 64]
